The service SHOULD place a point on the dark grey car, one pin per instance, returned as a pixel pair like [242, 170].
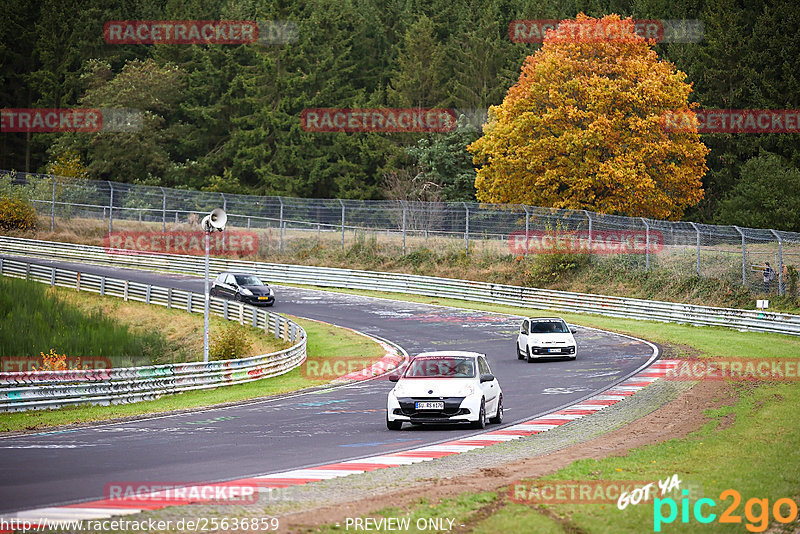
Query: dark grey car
[243, 287]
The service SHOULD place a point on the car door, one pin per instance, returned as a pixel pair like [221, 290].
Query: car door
[522, 338]
[230, 286]
[490, 389]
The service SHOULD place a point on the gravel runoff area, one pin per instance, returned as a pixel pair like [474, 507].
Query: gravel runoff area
[295, 505]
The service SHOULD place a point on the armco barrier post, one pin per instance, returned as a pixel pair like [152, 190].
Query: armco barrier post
[647, 245]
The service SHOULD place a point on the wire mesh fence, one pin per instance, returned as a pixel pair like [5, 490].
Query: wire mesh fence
[734, 254]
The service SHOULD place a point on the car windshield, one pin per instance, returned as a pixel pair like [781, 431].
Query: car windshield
[447, 366]
[248, 280]
[549, 327]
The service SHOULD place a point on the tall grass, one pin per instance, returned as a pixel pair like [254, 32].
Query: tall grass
[34, 319]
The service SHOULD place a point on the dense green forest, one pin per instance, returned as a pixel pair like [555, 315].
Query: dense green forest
[226, 117]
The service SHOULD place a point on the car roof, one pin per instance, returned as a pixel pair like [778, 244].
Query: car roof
[545, 319]
[440, 353]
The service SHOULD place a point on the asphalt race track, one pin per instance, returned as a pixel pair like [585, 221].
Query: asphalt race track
[301, 430]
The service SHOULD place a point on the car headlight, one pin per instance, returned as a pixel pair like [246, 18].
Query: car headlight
[245, 291]
[399, 391]
[466, 391]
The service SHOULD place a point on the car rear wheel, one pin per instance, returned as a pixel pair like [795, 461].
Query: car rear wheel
[481, 422]
[498, 418]
[393, 425]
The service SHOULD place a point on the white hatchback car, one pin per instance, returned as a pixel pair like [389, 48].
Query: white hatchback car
[445, 387]
[545, 337]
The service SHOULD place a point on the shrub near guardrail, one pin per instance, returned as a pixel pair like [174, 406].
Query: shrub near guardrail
[17, 214]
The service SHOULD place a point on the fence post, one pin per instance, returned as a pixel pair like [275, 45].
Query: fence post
[527, 222]
[53, 277]
[1, 266]
[403, 204]
[163, 210]
[589, 218]
[781, 289]
[280, 226]
[466, 226]
[224, 202]
[110, 208]
[744, 257]
[647, 245]
[696, 229]
[53, 207]
[342, 204]
[102, 285]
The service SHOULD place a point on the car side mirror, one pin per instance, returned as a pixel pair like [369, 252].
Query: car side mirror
[573, 330]
[394, 377]
[488, 377]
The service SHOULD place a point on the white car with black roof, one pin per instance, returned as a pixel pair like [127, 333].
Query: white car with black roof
[546, 337]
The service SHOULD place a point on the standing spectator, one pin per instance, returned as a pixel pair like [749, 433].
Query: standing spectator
[769, 274]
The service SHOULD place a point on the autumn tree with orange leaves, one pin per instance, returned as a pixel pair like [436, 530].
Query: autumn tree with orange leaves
[582, 128]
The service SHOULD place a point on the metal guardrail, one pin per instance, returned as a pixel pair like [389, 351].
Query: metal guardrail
[543, 299]
[27, 390]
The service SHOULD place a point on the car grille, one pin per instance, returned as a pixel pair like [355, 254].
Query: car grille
[452, 406]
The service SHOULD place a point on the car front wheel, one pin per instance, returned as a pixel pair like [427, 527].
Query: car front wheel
[393, 425]
[498, 418]
[520, 356]
[481, 422]
[528, 354]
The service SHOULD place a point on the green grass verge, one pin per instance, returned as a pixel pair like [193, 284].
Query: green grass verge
[35, 318]
[749, 445]
[324, 342]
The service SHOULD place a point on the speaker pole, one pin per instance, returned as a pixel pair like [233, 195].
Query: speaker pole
[205, 307]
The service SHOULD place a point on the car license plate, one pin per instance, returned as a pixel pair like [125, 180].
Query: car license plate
[430, 405]
[553, 350]
[263, 298]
